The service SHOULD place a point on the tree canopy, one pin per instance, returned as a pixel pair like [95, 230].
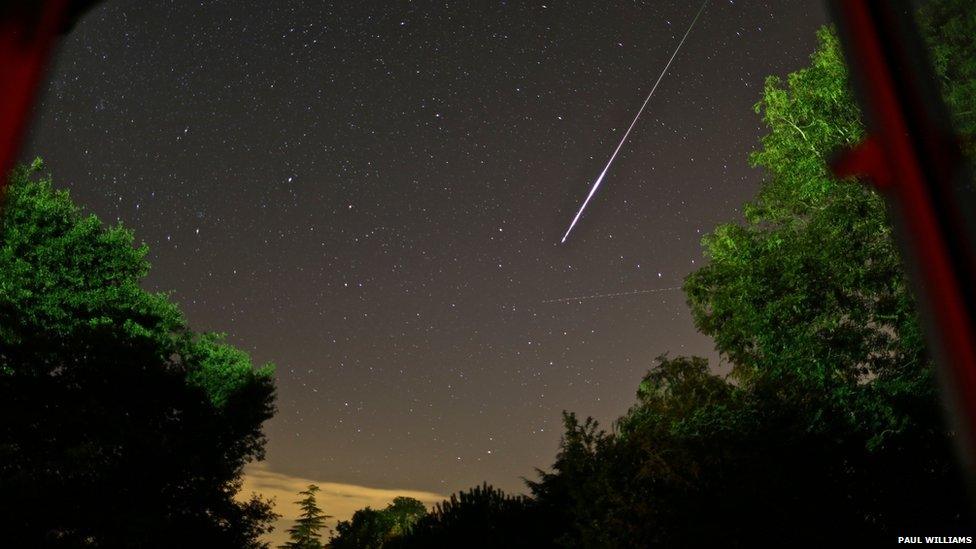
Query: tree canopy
[482, 516]
[372, 529]
[122, 427]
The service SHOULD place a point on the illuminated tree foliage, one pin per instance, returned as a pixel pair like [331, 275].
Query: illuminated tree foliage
[808, 298]
[405, 512]
[372, 529]
[950, 26]
[121, 427]
[368, 529]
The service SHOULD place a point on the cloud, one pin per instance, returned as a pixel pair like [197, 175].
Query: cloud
[339, 500]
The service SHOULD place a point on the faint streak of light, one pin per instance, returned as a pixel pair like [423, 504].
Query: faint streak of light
[597, 296]
[599, 179]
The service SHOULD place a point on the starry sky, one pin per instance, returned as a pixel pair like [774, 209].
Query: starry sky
[371, 194]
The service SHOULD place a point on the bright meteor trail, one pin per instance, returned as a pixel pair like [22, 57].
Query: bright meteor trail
[596, 184]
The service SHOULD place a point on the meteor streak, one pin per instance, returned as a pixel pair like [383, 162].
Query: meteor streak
[596, 184]
[596, 296]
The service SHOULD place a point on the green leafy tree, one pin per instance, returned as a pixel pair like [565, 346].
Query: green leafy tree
[404, 512]
[108, 399]
[949, 26]
[306, 533]
[370, 528]
[808, 300]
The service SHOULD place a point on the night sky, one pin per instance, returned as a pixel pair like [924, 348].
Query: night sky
[371, 194]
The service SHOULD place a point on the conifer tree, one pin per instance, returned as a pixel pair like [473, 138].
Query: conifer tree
[305, 533]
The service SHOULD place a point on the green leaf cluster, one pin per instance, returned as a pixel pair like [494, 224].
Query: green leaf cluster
[373, 529]
[138, 426]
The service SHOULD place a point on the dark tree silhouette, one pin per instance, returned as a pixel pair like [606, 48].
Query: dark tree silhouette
[480, 517]
[306, 533]
[137, 427]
